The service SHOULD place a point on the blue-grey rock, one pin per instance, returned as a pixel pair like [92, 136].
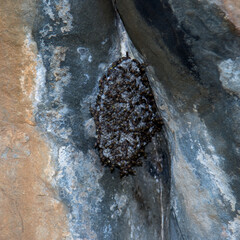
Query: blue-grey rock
[77, 41]
[193, 48]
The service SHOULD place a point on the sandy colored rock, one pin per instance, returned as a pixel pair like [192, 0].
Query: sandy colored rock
[29, 207]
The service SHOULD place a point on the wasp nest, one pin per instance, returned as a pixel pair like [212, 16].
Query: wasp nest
[125, 115]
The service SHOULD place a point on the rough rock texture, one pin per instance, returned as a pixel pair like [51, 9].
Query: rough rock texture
[77, 41]
[52, 184]
[193, 47]
[29, 205]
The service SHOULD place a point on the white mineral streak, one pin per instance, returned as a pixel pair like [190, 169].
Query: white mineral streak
[46, 29]
[90, 128]
[197, 200]
[217, 2]
[211, 161]
[125, 42]
[40, 80]
[136, 225]
[37, 70]
[234, 227]
[63, 8]
[79, 185]
[48, 9]
[124, 39]
[62, 77]
[84, 54]
[230, 75]
[119, 205]
[76, 175]
[28, 49]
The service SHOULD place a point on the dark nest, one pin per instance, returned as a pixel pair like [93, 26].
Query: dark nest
[125, 115]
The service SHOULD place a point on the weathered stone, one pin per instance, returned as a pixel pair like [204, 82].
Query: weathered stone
[74, 50]
[29, 205]
[193, 47]
[52, 183]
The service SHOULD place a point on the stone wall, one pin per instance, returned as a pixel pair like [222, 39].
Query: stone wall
[193, 47]
[52, 184]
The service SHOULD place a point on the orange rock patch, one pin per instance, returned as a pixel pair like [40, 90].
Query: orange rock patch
[29, 206]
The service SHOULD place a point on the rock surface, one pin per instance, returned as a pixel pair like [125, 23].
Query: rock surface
[52, 184]
[193, 47]
[74, 58]
[29, 205]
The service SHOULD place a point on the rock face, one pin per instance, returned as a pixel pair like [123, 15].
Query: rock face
[77, 41]
[194, 48]
[29, 205]
[52, 183]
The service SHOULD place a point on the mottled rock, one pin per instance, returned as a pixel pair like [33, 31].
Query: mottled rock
[230, 74]
[193, 48]
[52, 184]
[29, 204]
[76, 42]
